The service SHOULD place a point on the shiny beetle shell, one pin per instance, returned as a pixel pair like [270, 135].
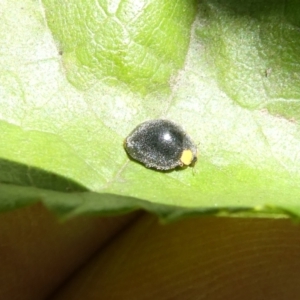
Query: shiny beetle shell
[161, 144]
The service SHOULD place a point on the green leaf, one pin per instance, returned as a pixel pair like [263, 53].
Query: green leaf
[77, 78]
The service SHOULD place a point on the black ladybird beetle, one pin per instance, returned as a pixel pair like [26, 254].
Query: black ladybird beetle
[161, 144]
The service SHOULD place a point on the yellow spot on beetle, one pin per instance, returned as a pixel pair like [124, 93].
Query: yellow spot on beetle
[187, 157]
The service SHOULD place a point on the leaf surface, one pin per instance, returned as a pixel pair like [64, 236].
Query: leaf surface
[77, 78]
